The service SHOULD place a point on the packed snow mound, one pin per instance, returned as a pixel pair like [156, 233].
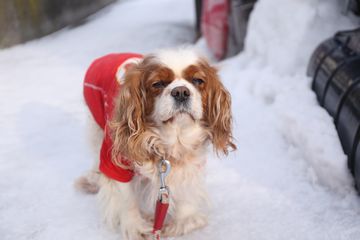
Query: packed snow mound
[287, 180]
[282, 35]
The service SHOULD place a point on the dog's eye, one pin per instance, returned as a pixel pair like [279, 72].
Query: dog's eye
[197, 81]
[159, 84]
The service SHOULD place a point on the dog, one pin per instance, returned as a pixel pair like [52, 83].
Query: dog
[168, 105]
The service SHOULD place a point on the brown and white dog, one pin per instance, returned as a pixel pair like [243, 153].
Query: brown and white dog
[170, 105]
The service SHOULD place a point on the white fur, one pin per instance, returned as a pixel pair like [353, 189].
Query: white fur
[182, 136]
[120, 209]
[165, 105]
[178, 59]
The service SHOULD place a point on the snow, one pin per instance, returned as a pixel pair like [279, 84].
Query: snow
[288, 179]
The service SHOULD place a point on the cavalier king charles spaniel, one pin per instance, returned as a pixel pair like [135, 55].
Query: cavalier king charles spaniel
[169, 105]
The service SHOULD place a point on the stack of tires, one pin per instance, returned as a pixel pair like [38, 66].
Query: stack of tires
[335, 68]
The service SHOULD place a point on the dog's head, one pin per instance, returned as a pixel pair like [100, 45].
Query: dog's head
[162, 88]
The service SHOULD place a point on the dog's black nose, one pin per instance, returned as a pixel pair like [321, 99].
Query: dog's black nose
[181, 94]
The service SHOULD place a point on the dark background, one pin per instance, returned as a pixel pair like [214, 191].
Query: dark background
[23, 20]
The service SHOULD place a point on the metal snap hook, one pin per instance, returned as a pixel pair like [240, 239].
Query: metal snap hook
[164, 170]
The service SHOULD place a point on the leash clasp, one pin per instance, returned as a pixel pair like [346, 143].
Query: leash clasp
[164, 170]
[162, 204]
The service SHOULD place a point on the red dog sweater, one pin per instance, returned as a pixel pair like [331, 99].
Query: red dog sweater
[102, 83]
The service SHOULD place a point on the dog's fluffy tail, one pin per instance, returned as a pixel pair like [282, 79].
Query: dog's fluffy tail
[88, 183]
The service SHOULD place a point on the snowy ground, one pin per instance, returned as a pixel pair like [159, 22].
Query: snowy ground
[288, 180]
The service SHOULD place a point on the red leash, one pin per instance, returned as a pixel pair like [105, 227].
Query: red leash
[162, 204]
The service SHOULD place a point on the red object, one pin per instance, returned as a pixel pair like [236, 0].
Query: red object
[100, 88]
[214, 25]
[161, 209]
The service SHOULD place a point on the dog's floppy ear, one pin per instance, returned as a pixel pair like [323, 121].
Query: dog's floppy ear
[128, 123]
[218, 113]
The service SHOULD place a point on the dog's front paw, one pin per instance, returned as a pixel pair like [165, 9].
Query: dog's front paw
[135, 228]
[184, 226]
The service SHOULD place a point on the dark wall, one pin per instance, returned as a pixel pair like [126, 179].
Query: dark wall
[23, 20]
